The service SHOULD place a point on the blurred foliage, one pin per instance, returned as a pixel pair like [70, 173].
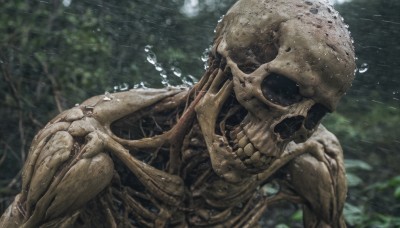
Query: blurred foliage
[368, 119]
[54, 54]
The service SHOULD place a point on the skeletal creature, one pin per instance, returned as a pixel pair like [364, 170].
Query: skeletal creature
[200, 157]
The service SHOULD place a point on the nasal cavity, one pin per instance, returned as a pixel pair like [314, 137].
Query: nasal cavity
[315, 115]
[289, 126]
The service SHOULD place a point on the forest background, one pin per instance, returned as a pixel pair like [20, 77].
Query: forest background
[55, 54]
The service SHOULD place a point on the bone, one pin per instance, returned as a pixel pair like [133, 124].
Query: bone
[243, 142]
[240, 135]
[240, 153]
[232, 135]
[249, 149]
[256, 157]
[248, 162]
[234, 131]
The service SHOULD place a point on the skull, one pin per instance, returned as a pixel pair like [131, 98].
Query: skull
[290, 62]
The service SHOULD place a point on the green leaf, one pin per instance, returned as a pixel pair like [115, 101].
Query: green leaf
[397, 192]
[282, 226]
[353, 180]
[395, 181]
[298, 215]
[356, 164]
[353, 214]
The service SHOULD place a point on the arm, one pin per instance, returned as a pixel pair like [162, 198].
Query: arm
[318, 178]
[69, 163]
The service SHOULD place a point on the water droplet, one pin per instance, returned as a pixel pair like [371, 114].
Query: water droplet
[165, 82]
[186, 82]
[204, 57]
[77, 104]
[115, 88]
[66, 3]
[107, 96]
[148, 48]
[163, 74]
[151, 57]
[205, 54]
[142, 85]
[189, 80]
[221, 18]
[124, 86]
[177, 72]
[363, 68]
[158, 67]
[193, 78]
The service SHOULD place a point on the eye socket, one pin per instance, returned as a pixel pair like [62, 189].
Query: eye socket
[315, 115]
[280, 90]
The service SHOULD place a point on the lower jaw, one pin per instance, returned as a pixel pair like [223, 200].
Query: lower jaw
[232, 124]
[247, 153]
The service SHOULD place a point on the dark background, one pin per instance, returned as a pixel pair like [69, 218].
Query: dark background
[54, 54]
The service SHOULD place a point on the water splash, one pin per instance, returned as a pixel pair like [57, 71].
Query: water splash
[158, 67]
[221, 18]
[163, 74]
[124, 86]
[66, 3]
[176, 71]
[204, 56]
[107, 96]
[151, 57]
[147, 48]
[166, 74]
[141, 85]
[121, 87]
[189, 81]
[363, 68]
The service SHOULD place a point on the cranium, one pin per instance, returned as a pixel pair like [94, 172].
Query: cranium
[285, 64]
[276, 67]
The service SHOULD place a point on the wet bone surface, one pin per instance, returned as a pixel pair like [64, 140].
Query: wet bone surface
[201, 156]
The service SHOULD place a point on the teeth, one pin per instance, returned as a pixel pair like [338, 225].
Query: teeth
[256, 157]
[246, 151]
[243, 142]
[241, 153]
[240, 135]
[249, 149]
